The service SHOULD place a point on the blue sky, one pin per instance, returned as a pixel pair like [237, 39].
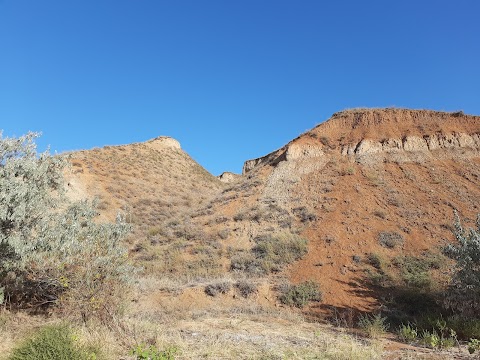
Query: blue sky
[231, 80]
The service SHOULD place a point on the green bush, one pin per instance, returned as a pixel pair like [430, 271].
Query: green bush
[301, 294]
[466, 328]
[434, 340]
[53, 343]
[144, 352]
[52, 251]
[408, 333]
[379, 278]
[441, 336]
[430, 339]
[414, 271]
[463, 295]
[374, 325]
[473, 345]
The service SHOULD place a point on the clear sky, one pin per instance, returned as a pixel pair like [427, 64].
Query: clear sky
[230, 79]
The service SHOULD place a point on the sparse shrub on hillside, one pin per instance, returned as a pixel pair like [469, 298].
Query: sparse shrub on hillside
[54, 252]
[246, 262]
[325, 140]
[270, 254]
[347, 170]
[375, 260]
[221, 219]
[223, 234]
[394, 201]
[184, 260]
[221, 287]
[154, 231]
[245, 288]
[301, 294]
[463, 295]
[379, 276]
[374, 177]
[212, 248]
[271, 213]
[240, 216]
[277, 251]
[414, 271]
[304, 215]
[390, 240]
[410, 272]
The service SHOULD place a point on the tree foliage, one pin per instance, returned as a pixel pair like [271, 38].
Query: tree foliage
[53, 252]
[463, 295]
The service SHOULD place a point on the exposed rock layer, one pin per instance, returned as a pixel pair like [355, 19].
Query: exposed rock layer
[367, 135]
[228, 177]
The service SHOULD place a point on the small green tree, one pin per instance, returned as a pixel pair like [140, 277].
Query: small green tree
[463, 295]
[53, 252]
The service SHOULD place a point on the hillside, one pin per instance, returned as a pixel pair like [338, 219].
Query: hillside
[371, 190]
[341, 185]
[355, 182]
[151, 181]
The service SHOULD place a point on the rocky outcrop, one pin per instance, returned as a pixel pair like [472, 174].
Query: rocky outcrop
[292, 151]
[163, 142]
[228, 177]
[409, 148]
[252, 163]
[272, 158]
[383, 135]
[426, 143]
[299, 151]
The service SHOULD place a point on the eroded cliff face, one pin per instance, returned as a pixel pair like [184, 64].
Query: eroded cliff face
[398, 135]
[414, 143]
[415, 148]
[361, 173]
[272, 158]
